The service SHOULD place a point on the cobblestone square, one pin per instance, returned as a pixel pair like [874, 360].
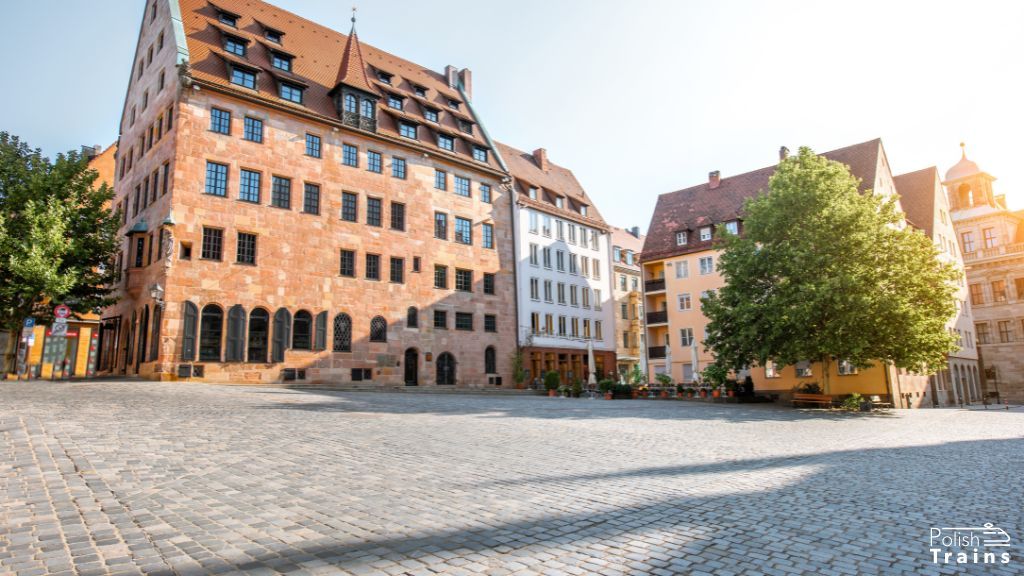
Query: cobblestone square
[112, 477]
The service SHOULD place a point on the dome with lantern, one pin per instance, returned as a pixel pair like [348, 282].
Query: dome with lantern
[964, 168]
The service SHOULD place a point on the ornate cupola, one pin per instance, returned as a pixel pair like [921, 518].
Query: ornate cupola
[355, 98]
[967, 184]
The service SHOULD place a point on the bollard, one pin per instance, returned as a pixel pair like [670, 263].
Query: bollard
[1007, 403]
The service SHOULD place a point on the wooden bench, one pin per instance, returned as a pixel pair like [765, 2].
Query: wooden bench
[876, 401]
[821, 399]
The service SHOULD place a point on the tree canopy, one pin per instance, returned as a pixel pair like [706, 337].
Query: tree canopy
[823, 271]
[58, 235]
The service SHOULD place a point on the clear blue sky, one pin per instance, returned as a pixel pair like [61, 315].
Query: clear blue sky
[637, 98]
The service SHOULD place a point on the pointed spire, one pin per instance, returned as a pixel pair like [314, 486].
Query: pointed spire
[352, 71]
[963, 150]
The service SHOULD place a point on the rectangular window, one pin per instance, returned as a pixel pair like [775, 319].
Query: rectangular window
[732, 227]
[462, 186]
[349, 155]
[253, 130]
[291, 92]
[398, 168]
[485, 193]
[1019, 285]
[441, 319]
[686, 337]
[463, 230]
[977, 294]
[991, 240]
[167, 178]
[445, 142]
[213, 243]
[534, 251]
[216, 179]
[575, 327]
[464, 321]
[313, 147]
[463, 280]
[440, 225]
[249, 186]
[561, 293]
[586, 328]
[982, 331]
[586, 296]
[684, 302]
[682, 269]
[1005, 331]
[406, 129]
[311, 199]
[246, 248]
[545, 227]
[372, 267]
[440, 179]
[533, 222]
[707, 265]
[705, 233]
[397, 270]
[349, 206]
[560, 260]
[281, 192]
[480, 154]
[968, 239]
[280, 61]
[220, 121]
[415, 263]
[373, 161]
[234, 46]
[373, 212]
[547, 257]
[440, 276]
[548, 297]
[574, 296]
[488, 283]
[430, 114]
[490, 323]
[999, 291]
[243, 78]
[534, 289]
[574, 265]
[397, 216]
[394, 102]
[487, 236]
[802, 369]
[348, 263]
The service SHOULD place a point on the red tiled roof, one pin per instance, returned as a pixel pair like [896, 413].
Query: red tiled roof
[322, 58]
[556, 179]
[700, 205]
[917, 192]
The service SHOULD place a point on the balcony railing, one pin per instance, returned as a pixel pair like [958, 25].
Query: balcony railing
[657, 317]
[134, 281]
[654, 285]
[655, 352]
[357, 120]
[994, 252]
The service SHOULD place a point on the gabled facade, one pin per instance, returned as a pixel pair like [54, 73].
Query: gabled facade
[564, 280]
[300, 205]
[679, 262]
[991, 237]
[924, 202]
[631, 350]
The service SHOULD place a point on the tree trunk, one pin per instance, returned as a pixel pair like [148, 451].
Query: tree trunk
[826, 360]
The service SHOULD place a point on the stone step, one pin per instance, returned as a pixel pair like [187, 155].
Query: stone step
[353, 387]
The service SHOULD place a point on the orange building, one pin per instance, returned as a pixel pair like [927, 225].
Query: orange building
[679, 266]
[299, 205]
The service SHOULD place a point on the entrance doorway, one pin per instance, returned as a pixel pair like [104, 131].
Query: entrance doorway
[446, 369]
[412, 367]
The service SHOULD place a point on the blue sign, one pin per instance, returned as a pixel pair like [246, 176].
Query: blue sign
[30, 322]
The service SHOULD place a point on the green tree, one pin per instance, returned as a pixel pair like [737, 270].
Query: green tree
[824, 271]
[57, 234]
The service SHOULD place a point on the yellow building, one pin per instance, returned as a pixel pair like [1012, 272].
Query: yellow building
[679, 266]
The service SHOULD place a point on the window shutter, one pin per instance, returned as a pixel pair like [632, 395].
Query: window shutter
[282, 334]
[188, 339]
[320, 338]
[236, 330]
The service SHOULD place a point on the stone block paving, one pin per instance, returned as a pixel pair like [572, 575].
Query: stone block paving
[112, 477]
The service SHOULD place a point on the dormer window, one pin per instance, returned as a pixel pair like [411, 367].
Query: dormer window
[465, 126]
[290, 92]
[583, 210]
[680, 238]
[445, 142]
[705, 233]
[281, 61]
[351, 103]
[430, 114]
[234, 45]
[394, 102]
[616, 254]
[420, 91]
[453, 104]
[480, 153]
[732, 227]
[384, 77]
[559, 203]
[367, 109]
[228, 18]
[272, 35]
[533, 193]
[243, 77]
[406, 129]
[629, 258]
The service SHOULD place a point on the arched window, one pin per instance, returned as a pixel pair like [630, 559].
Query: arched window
[342, 333]
[367, 108]
[302, 331]
[320, 332]
[143, 334]
[259, 323]
[378, 329]
[211, 332]
[490, 360]
[154, 339]
[129, 346]
[350, 103]
[412, 317]
[282, 334]
[188, 338]
[235, 349]
[446, 369]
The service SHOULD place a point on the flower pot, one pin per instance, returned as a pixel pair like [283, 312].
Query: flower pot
[716, 393]
[552, 393]
[607, 395]
[633, 394]
[679, 395]
[703, 393]
[731, 393]
[664, 393]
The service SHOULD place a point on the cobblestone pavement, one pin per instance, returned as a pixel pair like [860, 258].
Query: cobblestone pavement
[138, 477]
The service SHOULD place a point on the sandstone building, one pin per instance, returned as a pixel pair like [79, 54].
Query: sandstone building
[564, 283]
[991, 237]
[628, 295]
[300, 205]
[679, 265]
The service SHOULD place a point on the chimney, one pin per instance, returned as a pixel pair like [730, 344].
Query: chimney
[466, 78]
[635, 231]
[783, 153]
[540, 156]
[451, 75]
[714, 178]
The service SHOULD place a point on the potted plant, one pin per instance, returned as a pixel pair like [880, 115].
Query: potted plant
[730, 388]
[642, 391]
[703, 392]
[576, 390]
[680, 390]
[606, 386]
[715, 392]
[551, 383]
[690, 392]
